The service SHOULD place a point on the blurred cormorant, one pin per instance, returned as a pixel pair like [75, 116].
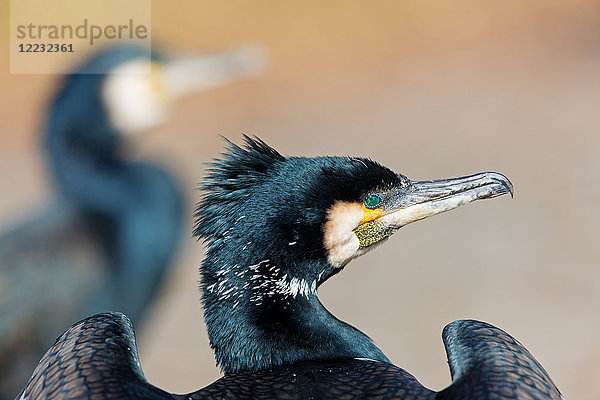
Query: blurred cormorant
[108, 239]
[276, 228]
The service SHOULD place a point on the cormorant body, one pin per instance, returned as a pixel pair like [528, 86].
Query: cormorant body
[107, 239]
[276, 228]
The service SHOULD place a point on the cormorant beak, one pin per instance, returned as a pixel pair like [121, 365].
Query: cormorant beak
[421, 199]
[183, 75]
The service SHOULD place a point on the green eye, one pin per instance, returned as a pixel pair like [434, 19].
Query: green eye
[372, 201]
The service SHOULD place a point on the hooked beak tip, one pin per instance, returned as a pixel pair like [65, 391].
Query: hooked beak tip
[504, 181]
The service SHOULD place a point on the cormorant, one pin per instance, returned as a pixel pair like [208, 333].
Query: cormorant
[108, 239]
[276, 228]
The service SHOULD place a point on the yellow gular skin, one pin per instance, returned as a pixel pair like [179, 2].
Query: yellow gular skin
[370, 215]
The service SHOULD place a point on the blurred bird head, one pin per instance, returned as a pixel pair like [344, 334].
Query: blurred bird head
[127, 89]
[139, 93]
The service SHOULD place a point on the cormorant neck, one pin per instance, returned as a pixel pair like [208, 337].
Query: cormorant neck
[83, 149]
[258, 317]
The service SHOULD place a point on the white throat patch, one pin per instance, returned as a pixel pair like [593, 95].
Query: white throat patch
[341, 243]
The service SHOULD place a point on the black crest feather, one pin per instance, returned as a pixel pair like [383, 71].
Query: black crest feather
[229, 179]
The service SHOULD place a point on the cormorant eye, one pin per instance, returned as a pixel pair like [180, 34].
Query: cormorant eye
[372, 201]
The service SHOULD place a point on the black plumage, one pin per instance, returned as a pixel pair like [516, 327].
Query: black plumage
[276, 228]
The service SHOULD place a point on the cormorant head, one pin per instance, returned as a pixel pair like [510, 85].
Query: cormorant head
[321, 211]
[277, 227]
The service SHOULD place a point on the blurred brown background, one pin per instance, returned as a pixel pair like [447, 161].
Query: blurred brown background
[431, 89]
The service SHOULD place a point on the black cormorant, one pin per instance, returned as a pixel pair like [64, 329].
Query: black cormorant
[106, 242]
[276, 228]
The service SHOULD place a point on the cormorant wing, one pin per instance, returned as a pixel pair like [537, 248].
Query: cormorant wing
[487, 363]
[95, 359]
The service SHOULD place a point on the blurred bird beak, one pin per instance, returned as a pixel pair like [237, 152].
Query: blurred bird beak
[187, 74]
[421, 199]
